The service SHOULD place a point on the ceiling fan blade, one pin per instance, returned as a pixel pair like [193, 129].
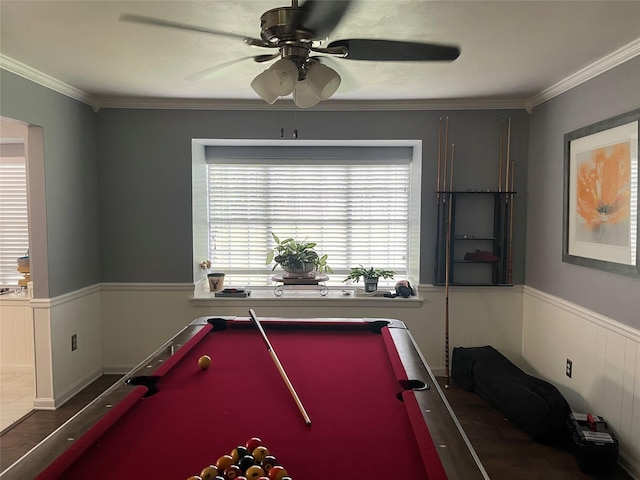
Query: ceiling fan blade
[321, 16]
[393, 51]
[158, 22]
[216, 69]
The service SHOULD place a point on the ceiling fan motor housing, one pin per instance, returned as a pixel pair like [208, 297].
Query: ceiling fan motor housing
[278, 25]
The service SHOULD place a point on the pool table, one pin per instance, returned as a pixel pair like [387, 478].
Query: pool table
[375, 407]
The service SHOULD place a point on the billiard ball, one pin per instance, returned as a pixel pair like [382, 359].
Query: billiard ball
[232, 472]
[204, 362]
[194, 477]
[268, 462]
[246, 461]
[239, 452]
[209, 473]
[254, 472]
[260, 453]
[277, 473]
[224, 462]
[253, 443]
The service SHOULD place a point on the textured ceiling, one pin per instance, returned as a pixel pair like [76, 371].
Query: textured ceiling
[510, 49]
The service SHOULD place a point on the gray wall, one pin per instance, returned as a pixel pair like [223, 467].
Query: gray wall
[145, 174]
[122, 212]
[70, 233]
[612, 295]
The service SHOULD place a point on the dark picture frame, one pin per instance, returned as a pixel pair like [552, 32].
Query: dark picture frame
[600, 212]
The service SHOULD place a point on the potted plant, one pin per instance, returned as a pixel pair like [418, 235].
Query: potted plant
[297, 257]
[370, 276]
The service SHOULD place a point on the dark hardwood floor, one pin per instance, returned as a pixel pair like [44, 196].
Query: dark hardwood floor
[505, 451]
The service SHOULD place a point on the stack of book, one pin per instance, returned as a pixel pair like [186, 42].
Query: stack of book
[235, 292]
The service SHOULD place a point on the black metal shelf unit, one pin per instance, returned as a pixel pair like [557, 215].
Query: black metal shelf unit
[480, 238]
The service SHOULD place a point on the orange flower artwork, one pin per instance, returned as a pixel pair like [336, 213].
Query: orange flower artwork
[603, 186]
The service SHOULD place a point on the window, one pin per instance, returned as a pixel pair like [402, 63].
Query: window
[355, 202]
[14, 229]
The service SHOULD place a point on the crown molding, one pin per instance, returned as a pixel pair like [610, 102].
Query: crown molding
[606, 63]
[329, 105]
[47, 81]
[618, 57]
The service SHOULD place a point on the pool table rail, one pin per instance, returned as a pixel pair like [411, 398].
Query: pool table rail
[456, 453]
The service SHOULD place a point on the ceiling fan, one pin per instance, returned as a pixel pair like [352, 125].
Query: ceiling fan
[295, 33]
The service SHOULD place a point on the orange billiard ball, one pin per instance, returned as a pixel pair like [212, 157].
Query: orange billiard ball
[204, 362]
[224, 462]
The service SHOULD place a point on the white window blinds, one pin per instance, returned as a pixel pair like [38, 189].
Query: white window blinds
[14, 228]
[356, 211]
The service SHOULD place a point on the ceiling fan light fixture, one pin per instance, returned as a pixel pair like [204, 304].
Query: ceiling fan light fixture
[323, 81]
[303, 95]
[260, 85]
[282, 76]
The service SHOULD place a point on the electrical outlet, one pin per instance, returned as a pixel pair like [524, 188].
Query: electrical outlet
[74, 342]
[569, 368]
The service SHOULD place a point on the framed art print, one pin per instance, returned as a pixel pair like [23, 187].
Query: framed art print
[601, 195]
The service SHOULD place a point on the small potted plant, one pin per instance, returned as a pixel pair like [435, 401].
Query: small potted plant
[370, 276]
[297, 257]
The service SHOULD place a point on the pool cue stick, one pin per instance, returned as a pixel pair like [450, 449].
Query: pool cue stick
[436, 268]
[439, 158]
[446, 146]
[506, 179]
[500, 155]
[446, 276]
[510, 258]
[276, 361]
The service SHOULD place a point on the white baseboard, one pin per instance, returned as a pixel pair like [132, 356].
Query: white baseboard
[68, 394]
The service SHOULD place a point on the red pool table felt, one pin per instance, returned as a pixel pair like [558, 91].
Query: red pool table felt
[364, 424]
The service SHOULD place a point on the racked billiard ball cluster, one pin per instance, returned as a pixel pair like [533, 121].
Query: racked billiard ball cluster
[251, 461]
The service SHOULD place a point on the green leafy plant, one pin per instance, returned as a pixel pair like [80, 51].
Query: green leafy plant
[293, 255]
[362, 272]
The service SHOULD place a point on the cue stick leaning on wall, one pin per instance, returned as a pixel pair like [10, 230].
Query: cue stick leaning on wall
[447, 269]
[276, 360]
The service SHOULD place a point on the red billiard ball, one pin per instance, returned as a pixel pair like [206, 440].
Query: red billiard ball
[277, 473]
[232, 472]
[269, 462]
[253, 443]
[204, 362]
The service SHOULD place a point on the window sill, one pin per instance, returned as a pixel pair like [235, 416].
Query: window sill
[310, 296]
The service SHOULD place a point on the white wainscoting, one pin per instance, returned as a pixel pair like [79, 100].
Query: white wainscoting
[61, 372]
[606, 364]
[118, 325]
[137, 318]
[16, 335]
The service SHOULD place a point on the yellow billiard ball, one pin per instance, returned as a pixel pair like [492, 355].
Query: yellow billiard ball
[209, 473]
[204, 362]
[254, 472]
